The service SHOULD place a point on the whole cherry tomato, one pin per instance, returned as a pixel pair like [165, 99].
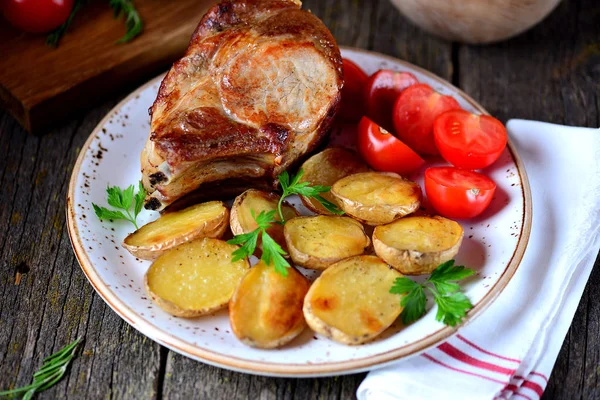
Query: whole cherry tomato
[36, 15]
[414, 113]
[468, 140]
[352, 107]
[458, 193]
[385, 152]
[382, 91]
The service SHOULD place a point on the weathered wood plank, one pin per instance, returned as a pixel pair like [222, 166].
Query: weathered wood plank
[54, 303]
[550, 73]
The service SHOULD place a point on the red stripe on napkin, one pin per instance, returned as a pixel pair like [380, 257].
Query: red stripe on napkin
[430, 358]
[540, 375]
[489, 353]
[533, 386]
[467, 359]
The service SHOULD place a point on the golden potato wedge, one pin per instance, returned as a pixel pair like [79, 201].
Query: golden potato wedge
[195, 278]
[172, 229]
[417, 245]
[266, 308]
[318, 241]
[241, 220]
[327, 167]
[377, 198]
[351, 301]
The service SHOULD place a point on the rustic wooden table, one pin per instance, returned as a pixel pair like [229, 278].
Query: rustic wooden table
[551, 73]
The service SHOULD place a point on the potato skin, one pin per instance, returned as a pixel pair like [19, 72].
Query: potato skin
[219, 259]
[327, 167]
[325, 296]
[265, 311]
[268, 199]
[343, 234]
[411, 261]
[214, 227]
[408, 200]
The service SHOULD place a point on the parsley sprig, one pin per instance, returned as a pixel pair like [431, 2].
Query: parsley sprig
[451, 301]
[272, 253]
[123, 200]
[52, 371]
[294, 186]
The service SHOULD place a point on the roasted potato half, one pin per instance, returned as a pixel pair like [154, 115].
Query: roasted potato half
[377, 198]
[327, 167]
[195, 278]
[317, 242]
[351, 301]
[266, 308]
[417, 245]
[241, 220]
[172, 229]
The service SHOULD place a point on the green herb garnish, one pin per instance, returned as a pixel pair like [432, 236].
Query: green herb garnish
[51, 372]
[133, 22]
[55, 36]
[272, 253]
[123, 200]
[294, 186]
[451, 301]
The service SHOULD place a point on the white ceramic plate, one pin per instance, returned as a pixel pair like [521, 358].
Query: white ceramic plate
[494, 244]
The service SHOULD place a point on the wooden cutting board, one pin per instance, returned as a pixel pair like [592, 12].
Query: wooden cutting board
[42, 86]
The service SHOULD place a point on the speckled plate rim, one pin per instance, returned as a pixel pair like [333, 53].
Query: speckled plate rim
[294, 370]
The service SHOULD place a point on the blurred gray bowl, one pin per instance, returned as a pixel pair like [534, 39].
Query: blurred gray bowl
[475, 21]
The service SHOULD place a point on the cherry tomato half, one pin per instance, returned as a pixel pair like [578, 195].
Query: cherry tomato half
[36, 15]
[385, 152]
[458, 193]
[414, 113]
[468, 140]
[352, 107]
[381, 91]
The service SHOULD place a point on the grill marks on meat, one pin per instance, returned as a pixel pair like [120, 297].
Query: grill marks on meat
[256, 90]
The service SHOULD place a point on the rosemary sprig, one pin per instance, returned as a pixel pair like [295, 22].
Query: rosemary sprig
[54, 37]
[52, 371]
[133, 22]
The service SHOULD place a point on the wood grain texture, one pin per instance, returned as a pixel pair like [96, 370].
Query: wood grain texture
[551, 73]
[41, 85]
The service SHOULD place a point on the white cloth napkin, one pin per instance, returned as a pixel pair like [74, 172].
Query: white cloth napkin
[510, 350]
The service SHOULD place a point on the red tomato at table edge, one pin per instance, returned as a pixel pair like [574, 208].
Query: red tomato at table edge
[457, 193]
[414, 114]
[352, 103]
[36, 15]
[382, 89]
[469, 140]
[385, 152]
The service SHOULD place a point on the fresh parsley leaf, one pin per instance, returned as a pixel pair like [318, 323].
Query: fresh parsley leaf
[105, 213]
[122, 200]
[444, 276]
[294, 186]
[452, 303]
[452, 308]
[403, 285]
[50, 373]
[272, 253]
[414, 305]
[133, 22]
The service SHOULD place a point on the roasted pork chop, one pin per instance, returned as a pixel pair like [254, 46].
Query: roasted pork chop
[257, 89]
